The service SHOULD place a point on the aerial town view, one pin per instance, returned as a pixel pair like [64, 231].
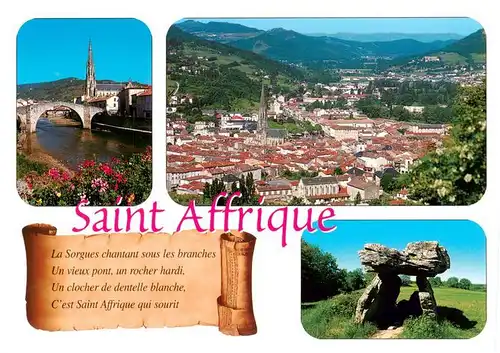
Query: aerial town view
[84, 112]
[327, 111]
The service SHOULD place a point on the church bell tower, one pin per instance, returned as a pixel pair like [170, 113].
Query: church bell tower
[90, 82]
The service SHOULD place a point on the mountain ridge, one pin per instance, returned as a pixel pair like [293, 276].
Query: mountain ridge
[390, 36]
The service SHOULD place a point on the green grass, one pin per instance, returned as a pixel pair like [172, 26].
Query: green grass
[221, 59]
[333, 318]
[471, 303]
[478, 58]
[25, 166]
[453, 58]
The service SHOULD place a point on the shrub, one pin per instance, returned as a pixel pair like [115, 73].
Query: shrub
[26, 166]
[333, 318]
[101, 184]
[425, 327]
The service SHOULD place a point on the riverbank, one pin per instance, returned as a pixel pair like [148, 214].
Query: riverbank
[37, 160]
[63, 121]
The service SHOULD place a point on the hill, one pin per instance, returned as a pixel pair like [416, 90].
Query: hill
[218, 31]
[226, 77]
[472, 47]
[64, 90]
[391, 36]
[286, 45]
[469, 50]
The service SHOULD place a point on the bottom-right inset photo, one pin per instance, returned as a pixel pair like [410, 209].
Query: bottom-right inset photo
[409, 279]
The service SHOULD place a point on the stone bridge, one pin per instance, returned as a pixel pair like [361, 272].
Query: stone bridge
[29, 115]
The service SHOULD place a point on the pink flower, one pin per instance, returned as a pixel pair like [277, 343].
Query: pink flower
[54, 173]
[100, 184]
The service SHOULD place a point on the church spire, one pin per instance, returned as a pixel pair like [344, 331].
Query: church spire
[90, 81]
[262, 120]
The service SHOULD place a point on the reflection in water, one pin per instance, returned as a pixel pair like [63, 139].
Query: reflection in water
[72, 145]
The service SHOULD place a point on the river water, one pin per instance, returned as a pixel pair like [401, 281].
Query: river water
[71, 144]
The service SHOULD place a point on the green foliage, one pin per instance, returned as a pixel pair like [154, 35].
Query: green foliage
[369, 276]
[426, 327]
[333, 318]
[428, 94]
[321, 277]
[184, 199]
[290, 46]
[456, 174]
[464, 283]
[64, 90]
[452, 282]
[355, 280]
[230, 79]
[435, 281]
[357, 200]
[244, 185]
[296, 201]
[474, 43]
[26, 166]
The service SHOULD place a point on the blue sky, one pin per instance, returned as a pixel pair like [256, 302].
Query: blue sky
[52, 49]
[463, 26]
[464, 240]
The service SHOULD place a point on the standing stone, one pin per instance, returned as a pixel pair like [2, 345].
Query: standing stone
[364, 309]
[426, 296]
[378, 303]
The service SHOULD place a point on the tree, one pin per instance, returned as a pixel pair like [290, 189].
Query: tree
[321, 277]
[456, 173]
[357, 200]
[369, 276]
[452, 282]
[464, 283]
[210, 191]
[435, 281]
[387, 183]
[405, 280]
[338, 171]
[296, 201]
[356, 279]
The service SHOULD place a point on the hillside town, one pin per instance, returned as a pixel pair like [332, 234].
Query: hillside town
[343, 159]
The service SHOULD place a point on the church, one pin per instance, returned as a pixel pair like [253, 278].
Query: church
[103, 95]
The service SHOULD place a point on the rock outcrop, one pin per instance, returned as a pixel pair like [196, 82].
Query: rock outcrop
[378, 303]
[424, 258]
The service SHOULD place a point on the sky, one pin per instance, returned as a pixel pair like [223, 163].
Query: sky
[53, 49]
[462, 26]
[464, 240]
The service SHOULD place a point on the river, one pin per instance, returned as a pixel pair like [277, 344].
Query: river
[71, 144]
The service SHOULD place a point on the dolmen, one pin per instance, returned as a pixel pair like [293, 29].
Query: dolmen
[378, 303]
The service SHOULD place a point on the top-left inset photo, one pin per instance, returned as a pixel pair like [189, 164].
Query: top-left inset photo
[84, 112]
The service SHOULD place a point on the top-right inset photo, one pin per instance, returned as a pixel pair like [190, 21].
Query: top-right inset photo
[327, 111]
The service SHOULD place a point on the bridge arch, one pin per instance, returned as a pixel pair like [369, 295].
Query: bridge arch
[34, 112]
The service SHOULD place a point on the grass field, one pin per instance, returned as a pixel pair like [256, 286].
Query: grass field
[453, 58]
[461, 314]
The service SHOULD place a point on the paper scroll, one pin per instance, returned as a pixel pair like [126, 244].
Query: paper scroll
[131, 280]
